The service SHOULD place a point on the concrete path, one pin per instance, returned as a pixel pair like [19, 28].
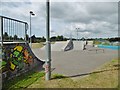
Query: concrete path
[72, 63]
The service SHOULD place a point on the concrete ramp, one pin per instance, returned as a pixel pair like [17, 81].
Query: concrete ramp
[61, 46]
[68, 46]
[58, 46]
[78, 45]
[90, 43]
[17, 59]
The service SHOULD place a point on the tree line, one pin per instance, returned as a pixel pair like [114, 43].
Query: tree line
[35, 39]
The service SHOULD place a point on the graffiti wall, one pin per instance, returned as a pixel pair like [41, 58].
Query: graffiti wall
[18, 58]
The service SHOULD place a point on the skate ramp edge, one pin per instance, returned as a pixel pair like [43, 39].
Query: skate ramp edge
[78, 45]
[68, 46]
[18, 58]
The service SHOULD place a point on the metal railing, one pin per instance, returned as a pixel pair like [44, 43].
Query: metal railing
[12, 30]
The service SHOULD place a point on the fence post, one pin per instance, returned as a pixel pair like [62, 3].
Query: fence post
[26, 28]
[1, 30]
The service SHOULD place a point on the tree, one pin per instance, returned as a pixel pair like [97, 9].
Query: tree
[21, 39]
[33, 39]
[43, 39]
[11, 38]
[15, 37]
[53, 38]
[5, 36]
[83, 38]
[27, 37]
[59, 38]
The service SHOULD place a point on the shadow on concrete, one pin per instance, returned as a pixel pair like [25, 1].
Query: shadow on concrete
[92, 73]
[117, 67]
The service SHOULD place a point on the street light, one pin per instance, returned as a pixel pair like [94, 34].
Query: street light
[48, 45]
[31, 14]
[77, 33]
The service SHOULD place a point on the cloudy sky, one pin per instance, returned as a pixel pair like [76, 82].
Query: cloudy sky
[93, 18]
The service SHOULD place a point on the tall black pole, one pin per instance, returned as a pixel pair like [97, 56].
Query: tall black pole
[48, 46]
[30, 33]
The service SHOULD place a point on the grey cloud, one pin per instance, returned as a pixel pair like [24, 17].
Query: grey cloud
[90, 31]
[102, 8]
[65, 13]
[84, 12]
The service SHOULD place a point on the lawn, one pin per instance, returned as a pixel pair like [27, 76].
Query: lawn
[39, 45]
[105, 76]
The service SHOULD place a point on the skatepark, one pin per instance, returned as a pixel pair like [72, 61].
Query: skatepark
[77, 61]
[70, 58]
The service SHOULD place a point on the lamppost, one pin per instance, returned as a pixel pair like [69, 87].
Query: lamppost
[48, 45]
[77, 33]
[31, 14]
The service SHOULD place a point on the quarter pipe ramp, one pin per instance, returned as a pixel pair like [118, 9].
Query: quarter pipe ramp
[18, 58]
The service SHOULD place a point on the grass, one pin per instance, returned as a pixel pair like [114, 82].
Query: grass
[39, 45]
[104, 77]
[23, 81]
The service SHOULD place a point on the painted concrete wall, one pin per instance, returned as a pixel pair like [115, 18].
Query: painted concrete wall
[18, 58]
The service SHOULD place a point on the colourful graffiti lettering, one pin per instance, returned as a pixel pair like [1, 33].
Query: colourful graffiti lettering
[28, 58]
[2, 64]
[17, 56]
[12, 66]
[18, 48]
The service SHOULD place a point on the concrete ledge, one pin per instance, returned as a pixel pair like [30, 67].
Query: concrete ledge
[96, 50]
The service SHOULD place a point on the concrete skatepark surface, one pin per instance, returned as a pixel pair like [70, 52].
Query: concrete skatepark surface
[77, 62]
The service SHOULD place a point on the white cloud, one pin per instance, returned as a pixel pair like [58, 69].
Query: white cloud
[94, 19]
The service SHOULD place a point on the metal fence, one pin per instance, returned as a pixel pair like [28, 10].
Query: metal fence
[12, 30]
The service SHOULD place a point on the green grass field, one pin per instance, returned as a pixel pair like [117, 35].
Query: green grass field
[39, 45]
[105, 76]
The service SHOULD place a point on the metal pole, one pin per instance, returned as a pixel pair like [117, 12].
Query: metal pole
[77, 34]
[48, 47]
[30, 32]
[1, 30]
[26, 27]
[1, 20]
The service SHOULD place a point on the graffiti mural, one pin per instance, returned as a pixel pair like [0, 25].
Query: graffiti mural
[18, 57]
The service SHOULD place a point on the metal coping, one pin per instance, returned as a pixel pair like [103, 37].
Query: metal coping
[13, 19]
[12, 42]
